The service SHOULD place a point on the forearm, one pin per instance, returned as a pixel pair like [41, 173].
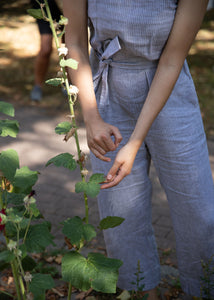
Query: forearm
[160, 90]
[82, 78]
[76, 39]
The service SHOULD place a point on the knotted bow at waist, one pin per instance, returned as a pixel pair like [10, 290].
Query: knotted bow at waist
[106, 59]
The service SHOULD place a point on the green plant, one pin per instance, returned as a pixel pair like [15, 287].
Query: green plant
[18, 211]
[96, 271]
[137, 293]
[207, 280]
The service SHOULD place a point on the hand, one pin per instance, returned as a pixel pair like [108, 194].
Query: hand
[122, 165]
[99, 138]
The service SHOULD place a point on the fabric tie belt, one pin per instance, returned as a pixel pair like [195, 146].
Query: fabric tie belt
[105, 60]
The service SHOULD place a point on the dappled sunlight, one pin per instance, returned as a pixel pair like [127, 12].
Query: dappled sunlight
[204, 42]
[21, 36]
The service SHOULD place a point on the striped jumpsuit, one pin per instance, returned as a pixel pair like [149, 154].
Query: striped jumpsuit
[127, 38]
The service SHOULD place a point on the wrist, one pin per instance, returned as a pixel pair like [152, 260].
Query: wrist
[91, 115]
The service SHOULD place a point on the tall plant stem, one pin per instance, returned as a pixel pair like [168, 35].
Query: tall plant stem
[16, 279]
[51, 23]
[69, 291]
[70, 102]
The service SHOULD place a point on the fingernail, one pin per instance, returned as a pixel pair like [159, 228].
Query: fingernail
[109, 177]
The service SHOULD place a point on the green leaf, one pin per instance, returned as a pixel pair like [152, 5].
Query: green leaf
[63, 128]
[24, 179]
[15, 199]
[91, 188]
[63, 160]
[34, 210]
[80, 187]
[36, 13]
[6, 108]
[54, 81]
[97, 177]
[6, 256]
[110, 222]
[97, 271]
[28, 263]
[40, 283]
[9, 127]
[76, 230]
[71, 63]
[38, 238]
[11, 231]
[9, 162]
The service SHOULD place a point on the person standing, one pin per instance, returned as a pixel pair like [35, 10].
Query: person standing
[43, 58]
[139, 103]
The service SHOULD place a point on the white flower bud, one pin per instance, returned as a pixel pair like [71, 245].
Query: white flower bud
[84, 172]
[12, 245]
[63, 51]
[28, 277]
[73, 90]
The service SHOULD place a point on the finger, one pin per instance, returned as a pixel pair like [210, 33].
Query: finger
[117, 179]
[109, 144]
[100, 141]
[100, 156]
[98, 148]
[117, 136]
[113, 171]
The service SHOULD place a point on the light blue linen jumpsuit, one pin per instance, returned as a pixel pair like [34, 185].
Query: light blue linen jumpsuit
[127, 37]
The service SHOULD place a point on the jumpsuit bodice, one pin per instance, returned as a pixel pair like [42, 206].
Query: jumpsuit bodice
[142, 27]
[128, 35]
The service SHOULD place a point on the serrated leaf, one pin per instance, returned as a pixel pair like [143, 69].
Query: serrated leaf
[71, 63]
[6, 108]
[89, 232]
[63, 128]
[15, 199]
[110, 222]
[9, 128]
[97, 271]
[10, 230]
[9, 163]
[24, 179]
[36, 13]
[80, 187]
[76, 231]
[65, 160]
[28, 263]
[93, 189]
[34, 210]
[40, 283]
[54, 81]
[38, 238]
[97, 177]
[6, 256]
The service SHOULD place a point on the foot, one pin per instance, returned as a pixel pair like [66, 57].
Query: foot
[36, 93]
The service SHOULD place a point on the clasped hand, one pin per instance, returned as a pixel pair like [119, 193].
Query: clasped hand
[99, 140]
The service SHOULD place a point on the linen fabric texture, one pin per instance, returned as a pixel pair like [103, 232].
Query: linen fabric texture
[127, 38]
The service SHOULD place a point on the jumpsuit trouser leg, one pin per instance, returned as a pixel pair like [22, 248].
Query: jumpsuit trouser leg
[177, 145]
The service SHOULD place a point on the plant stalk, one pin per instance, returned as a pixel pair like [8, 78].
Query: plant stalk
[51, 23]
[69, 291]
[15, 276]
[71, 105]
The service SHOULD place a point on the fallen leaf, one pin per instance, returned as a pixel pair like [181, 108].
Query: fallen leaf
[83, 295]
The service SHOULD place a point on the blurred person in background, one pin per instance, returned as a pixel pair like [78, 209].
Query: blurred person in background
[43, 57]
